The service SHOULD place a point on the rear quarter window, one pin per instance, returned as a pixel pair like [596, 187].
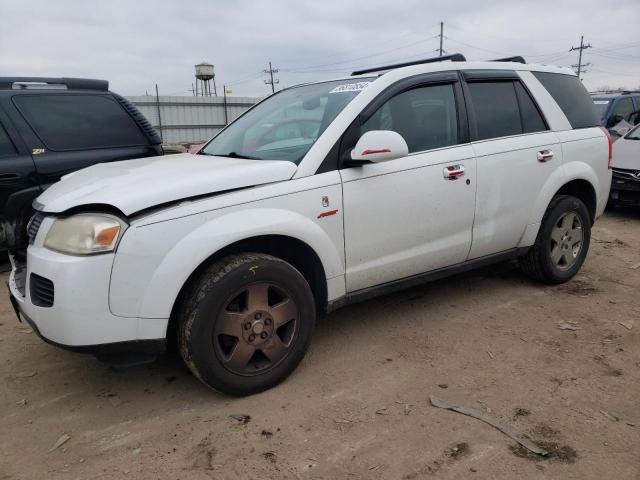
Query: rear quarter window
[79, 122]
[572, 98]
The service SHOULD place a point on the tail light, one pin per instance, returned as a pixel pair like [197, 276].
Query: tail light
[606, 132]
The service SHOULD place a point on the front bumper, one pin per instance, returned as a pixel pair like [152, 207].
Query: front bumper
[625, 188]
[105, 350]
[78, 317]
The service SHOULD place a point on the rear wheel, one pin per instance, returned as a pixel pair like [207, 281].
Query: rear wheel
[562, 243]
[247, 323]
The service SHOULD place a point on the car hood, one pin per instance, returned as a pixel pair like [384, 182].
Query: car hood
[626, 154]
[134, 185]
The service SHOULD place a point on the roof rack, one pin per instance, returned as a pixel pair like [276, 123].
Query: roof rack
[517, 59]
[455, 57]
[42, 82]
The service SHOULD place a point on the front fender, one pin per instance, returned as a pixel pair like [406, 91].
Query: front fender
[156, 260]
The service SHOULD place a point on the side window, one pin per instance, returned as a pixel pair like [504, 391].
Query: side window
[78, 122]
[624, 108]
[496, 109]
[6, 145]
[532, 120]
[426, 117]
[572, 98]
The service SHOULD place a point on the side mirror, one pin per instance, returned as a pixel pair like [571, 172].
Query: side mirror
[379, 146]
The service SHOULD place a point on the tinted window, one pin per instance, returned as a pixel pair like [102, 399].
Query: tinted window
[532, 120]
[496, 109]
[76, 122]
[572, 97]
[426, 117]
[6, 146]
[624, 108]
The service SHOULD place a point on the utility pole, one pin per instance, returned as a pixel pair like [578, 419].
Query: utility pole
[441, 35]
[159, 116]
[580, 49]
[226, 115]
[271, 81]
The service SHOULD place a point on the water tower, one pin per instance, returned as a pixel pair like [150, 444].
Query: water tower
[205, 73]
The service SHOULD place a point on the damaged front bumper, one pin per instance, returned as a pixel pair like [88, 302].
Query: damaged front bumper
[65, 299]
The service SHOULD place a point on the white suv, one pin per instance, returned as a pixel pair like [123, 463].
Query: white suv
[321, 195]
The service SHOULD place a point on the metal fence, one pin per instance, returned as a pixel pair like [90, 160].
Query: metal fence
[191, 119]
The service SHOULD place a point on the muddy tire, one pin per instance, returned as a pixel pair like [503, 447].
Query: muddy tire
[562, 243]
[246, 323]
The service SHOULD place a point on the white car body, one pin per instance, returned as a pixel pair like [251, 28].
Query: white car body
[370, 226]
[625, 184]
[626, 151]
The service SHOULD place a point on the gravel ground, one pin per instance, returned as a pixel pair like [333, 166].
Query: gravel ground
[358, 406]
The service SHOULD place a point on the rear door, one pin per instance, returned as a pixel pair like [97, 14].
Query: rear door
[406, 216]
[516, 153]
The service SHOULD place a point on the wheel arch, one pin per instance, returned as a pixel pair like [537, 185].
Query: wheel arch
[583, 190]
[290, 249]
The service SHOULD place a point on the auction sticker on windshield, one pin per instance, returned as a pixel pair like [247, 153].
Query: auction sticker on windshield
[350, 87]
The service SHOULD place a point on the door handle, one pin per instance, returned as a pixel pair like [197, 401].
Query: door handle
[545, 155]
[453, 172]
[9, 177]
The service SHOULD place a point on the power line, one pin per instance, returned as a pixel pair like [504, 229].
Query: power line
[580, 49]
[384, 52]
[271, 81]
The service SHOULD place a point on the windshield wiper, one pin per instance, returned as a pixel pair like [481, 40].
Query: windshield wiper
[229, 155]
[238, 155]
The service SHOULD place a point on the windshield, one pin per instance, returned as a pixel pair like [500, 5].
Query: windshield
[285, 125]
[633, 134]
[601, 105]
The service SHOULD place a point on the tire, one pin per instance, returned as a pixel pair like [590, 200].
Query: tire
[246, 323]
[543, 261]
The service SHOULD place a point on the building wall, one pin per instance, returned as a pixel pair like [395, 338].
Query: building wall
[191, 119]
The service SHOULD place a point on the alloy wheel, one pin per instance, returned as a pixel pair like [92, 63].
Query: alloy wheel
[567, 237]
[256, 329]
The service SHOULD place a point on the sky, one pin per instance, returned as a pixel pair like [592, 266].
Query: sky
[137, 44]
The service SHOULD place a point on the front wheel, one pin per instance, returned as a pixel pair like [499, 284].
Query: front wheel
[246, 323]
[562, 243]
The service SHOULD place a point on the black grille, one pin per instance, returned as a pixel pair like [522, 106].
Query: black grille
[41, 291]
[34, 226]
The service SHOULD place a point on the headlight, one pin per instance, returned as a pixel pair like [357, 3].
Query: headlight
[85, 233]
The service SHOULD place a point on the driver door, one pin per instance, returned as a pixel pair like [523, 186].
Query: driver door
[407, 216]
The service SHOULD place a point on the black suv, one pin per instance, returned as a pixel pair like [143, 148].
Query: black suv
[53, 126]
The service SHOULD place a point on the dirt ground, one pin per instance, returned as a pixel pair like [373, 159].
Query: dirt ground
[358, 406]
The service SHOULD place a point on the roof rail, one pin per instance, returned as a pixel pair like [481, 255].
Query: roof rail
[455, 57]
[70, 83]
[517, 59]
[613, 92]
